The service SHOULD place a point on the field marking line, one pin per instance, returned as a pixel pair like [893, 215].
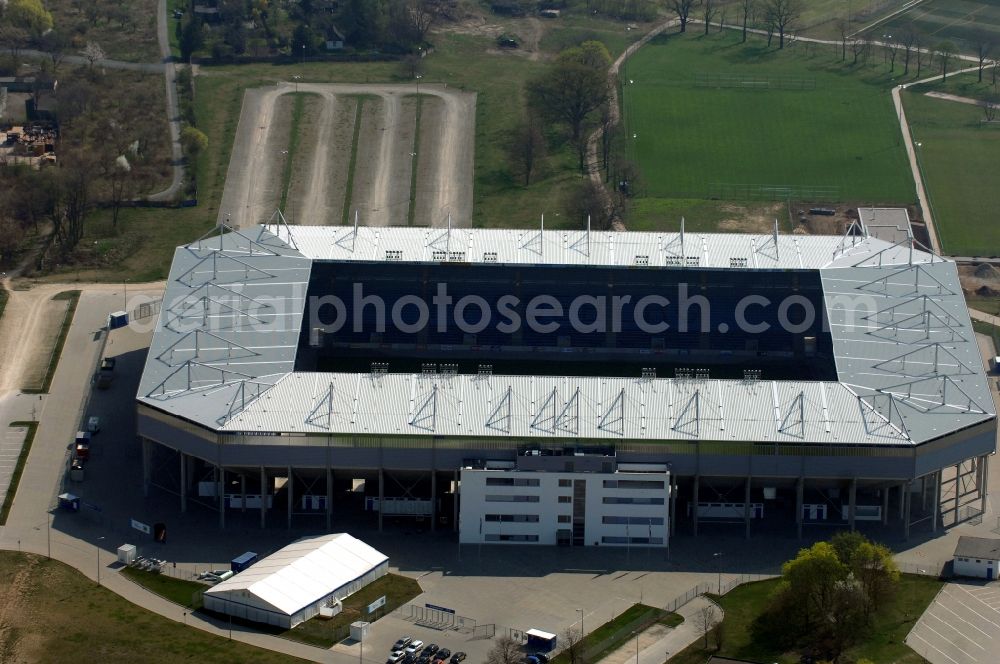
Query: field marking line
[942, 606]
[962, 19]
[973, 610]
[905, 8]
[934, 647]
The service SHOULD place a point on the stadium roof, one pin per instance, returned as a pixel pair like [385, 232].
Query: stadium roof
[303, 572]
[223, 354]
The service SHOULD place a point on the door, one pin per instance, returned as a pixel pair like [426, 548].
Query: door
[989, 573]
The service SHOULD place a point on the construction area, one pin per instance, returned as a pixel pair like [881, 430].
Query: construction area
[392, 154]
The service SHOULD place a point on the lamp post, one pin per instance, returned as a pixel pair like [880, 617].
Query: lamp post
[581, 622]
[718, 567]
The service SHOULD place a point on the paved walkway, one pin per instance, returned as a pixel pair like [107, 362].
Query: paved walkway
[173, 109]
[659, 642]
[955, 98]
[11, 440]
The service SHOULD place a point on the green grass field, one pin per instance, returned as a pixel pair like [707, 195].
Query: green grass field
[884, 643]
[958, 158]
[178, 591]
[959, 21]
[55, 614]
[688, 133]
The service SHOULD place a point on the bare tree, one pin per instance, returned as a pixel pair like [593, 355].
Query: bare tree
[984, 44]
[845, 29]
[907, 42]
[683, 9]
[705, 620]
[505, 650]
[858, 46]
[573, 645]
[708, 11]
[991, 106]
[93, 52]
[944, 51]
[918, 51]
[891, 47]
[747, 10]
[526, 147]
[784, 14]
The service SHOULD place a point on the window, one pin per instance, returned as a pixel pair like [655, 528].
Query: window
[493, 537]
[634, 520]
[613, 539]
[494, 498]
[439, 255]
[622, 500]
[512, 481]
[641, 260]
[393, 255]
[633, 484]
[737, 261]
[565, 484]
[565, 499]
[489, 257]
[512, 518]
[564, 518]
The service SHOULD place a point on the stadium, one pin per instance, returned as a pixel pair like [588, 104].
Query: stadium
[566, 387]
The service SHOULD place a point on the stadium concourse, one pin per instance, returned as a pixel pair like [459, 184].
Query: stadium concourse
[758, 382]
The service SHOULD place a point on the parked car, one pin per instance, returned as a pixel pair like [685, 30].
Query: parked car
[414, 646]
[431, 649]
[531, 659]
[542, 657]
[444, 653]
[457, 657]
[402, 642]
[395, 656]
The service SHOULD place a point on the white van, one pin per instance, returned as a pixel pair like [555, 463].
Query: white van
[93, 424]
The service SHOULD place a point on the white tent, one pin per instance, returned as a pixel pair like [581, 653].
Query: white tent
[289, 586]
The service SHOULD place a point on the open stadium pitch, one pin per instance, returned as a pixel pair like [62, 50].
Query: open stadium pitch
[963, 22]
[709, 117]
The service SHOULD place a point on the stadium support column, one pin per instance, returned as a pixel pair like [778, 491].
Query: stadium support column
[852, 510]
[433, 500]
[220, 482]
[329, 497]
[902, 500]
[243, 492]
[184, 488]
[290, 492]
[147, 461]
[263, 497]
[936, 507]
[673, 504]
[454, 503]
[907, 499]
[746, 508]
[694, 504]
[885, 505]
[381, 497]
[799, 492]
[984, 478]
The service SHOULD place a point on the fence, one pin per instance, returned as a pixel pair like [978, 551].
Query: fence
[773, 192]
[437, 619]
[146, 309]
[742, 82]
[637, 624]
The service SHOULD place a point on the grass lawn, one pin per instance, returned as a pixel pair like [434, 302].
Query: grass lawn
[884, 644]
[54, 614]
[398, 590]
[74, 298]
[958, 158]
[612, 634]
[959, 21]
[178, 591]
[839, 132]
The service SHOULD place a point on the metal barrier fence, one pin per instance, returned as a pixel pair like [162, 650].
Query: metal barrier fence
[638, 624]
[146, 310]
[436, 618]
[681, 600]
[487, 631]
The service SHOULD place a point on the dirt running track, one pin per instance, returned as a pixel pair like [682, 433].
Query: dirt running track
[381, 187]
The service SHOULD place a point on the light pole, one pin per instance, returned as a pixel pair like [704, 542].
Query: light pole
[97, 550]
[296, 78]
[126, 294]
[581, 622]
[361, 654]
[718, 567]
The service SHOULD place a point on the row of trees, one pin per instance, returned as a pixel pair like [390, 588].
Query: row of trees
[775, 16]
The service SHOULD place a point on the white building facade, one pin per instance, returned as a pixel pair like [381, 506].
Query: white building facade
[566, 508]
[977, 557]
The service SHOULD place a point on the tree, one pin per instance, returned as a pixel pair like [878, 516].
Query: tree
[708, 11]
[93, 52]
[526, 147]
[891, 47]
[505, 650]
[55, 43]
[28, 15]
[705, 620]
[190, 37]
[944, 52]
[984, 44]
[783, 14]
[570, 91]
[908, 41]
[991, 106]
[573, 645]
[193, 141]
[683, 9]
[747, 10]
[811, 579]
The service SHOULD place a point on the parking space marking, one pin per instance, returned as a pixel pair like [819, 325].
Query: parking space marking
[918, 636]
[953, 641]
[941, 606]
[972, 609]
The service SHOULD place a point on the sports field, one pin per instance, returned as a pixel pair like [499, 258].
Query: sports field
[960, 21]
[958, 158]
[707, 114]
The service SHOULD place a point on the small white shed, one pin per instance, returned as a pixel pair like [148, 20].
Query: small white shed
[978, 557]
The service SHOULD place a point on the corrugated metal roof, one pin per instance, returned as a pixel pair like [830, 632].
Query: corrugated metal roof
[907, 361]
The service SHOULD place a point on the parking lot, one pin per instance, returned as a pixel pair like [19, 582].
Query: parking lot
[961, 626]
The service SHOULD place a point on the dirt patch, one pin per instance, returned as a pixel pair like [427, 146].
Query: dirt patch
[268, 186]
[366, 168]
[432, 116]
[982, 280]
[307, 171]
[338, 161]
[742, 219]
[29, 329]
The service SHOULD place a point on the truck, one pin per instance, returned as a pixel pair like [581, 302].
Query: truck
[82, 445]
[106, 374]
